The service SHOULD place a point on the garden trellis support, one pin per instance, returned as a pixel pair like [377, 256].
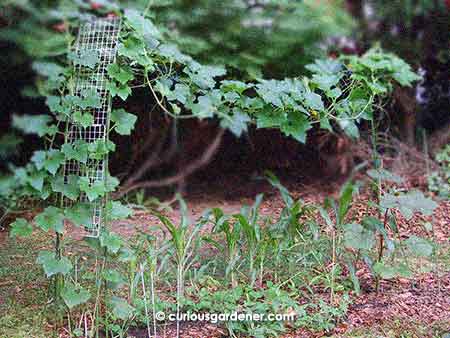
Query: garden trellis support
[98, 37]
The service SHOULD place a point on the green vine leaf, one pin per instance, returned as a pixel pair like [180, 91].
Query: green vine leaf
[326, 67]
[68, 188]
[116, 210]
[48, 69]
[234, 86]
[33, 124]
[314, 101]
[203, 76]
[141, 25]
[114, 279]
[120, 74]
[205, 107]
[237, 123]
[54, 159]
[80, 214]
[326, 82]
[270, 119]
[74, 295]
[121, 309]
[100, 148]
[111, 183]
[111, 241]
[409, 203]
[271, 92]
[384, 175]
[349, 126]
[36, 180]
[93, 191]
[389, 272]
[89, 98]
[52, 265]
[84, 119]
[134, 49]
[173, 54]
[181, 93]
[21, 228]
[122, 91]
[419, 246]
[51, 218]
[297, 126]
[124, 122]
[357, 237]
[85, 57]
[374, 224]
[77, 151]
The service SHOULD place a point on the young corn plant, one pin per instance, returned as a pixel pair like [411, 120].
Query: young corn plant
[184, 241]
[151, 265]
[231, 249]
[339, 211]
[289, 221]
[254, 236]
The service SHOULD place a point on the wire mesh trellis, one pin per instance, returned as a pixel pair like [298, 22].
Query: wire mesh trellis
[100, 38]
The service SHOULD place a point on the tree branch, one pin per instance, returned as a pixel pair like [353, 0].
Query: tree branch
[187, 171]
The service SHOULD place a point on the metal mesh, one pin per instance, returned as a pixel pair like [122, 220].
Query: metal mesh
[96, 36]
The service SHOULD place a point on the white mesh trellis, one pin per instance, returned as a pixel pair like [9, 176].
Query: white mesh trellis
[98, 36]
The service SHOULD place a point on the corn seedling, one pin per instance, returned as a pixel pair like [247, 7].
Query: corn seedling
[248, 220]
[339, 210]
[232, 235]
[183, 240]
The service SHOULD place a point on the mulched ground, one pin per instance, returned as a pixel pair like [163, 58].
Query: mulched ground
[425, 299]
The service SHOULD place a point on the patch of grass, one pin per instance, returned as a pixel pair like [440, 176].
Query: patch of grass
[23, 289]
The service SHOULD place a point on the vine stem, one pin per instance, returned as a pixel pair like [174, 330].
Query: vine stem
[161, 105]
